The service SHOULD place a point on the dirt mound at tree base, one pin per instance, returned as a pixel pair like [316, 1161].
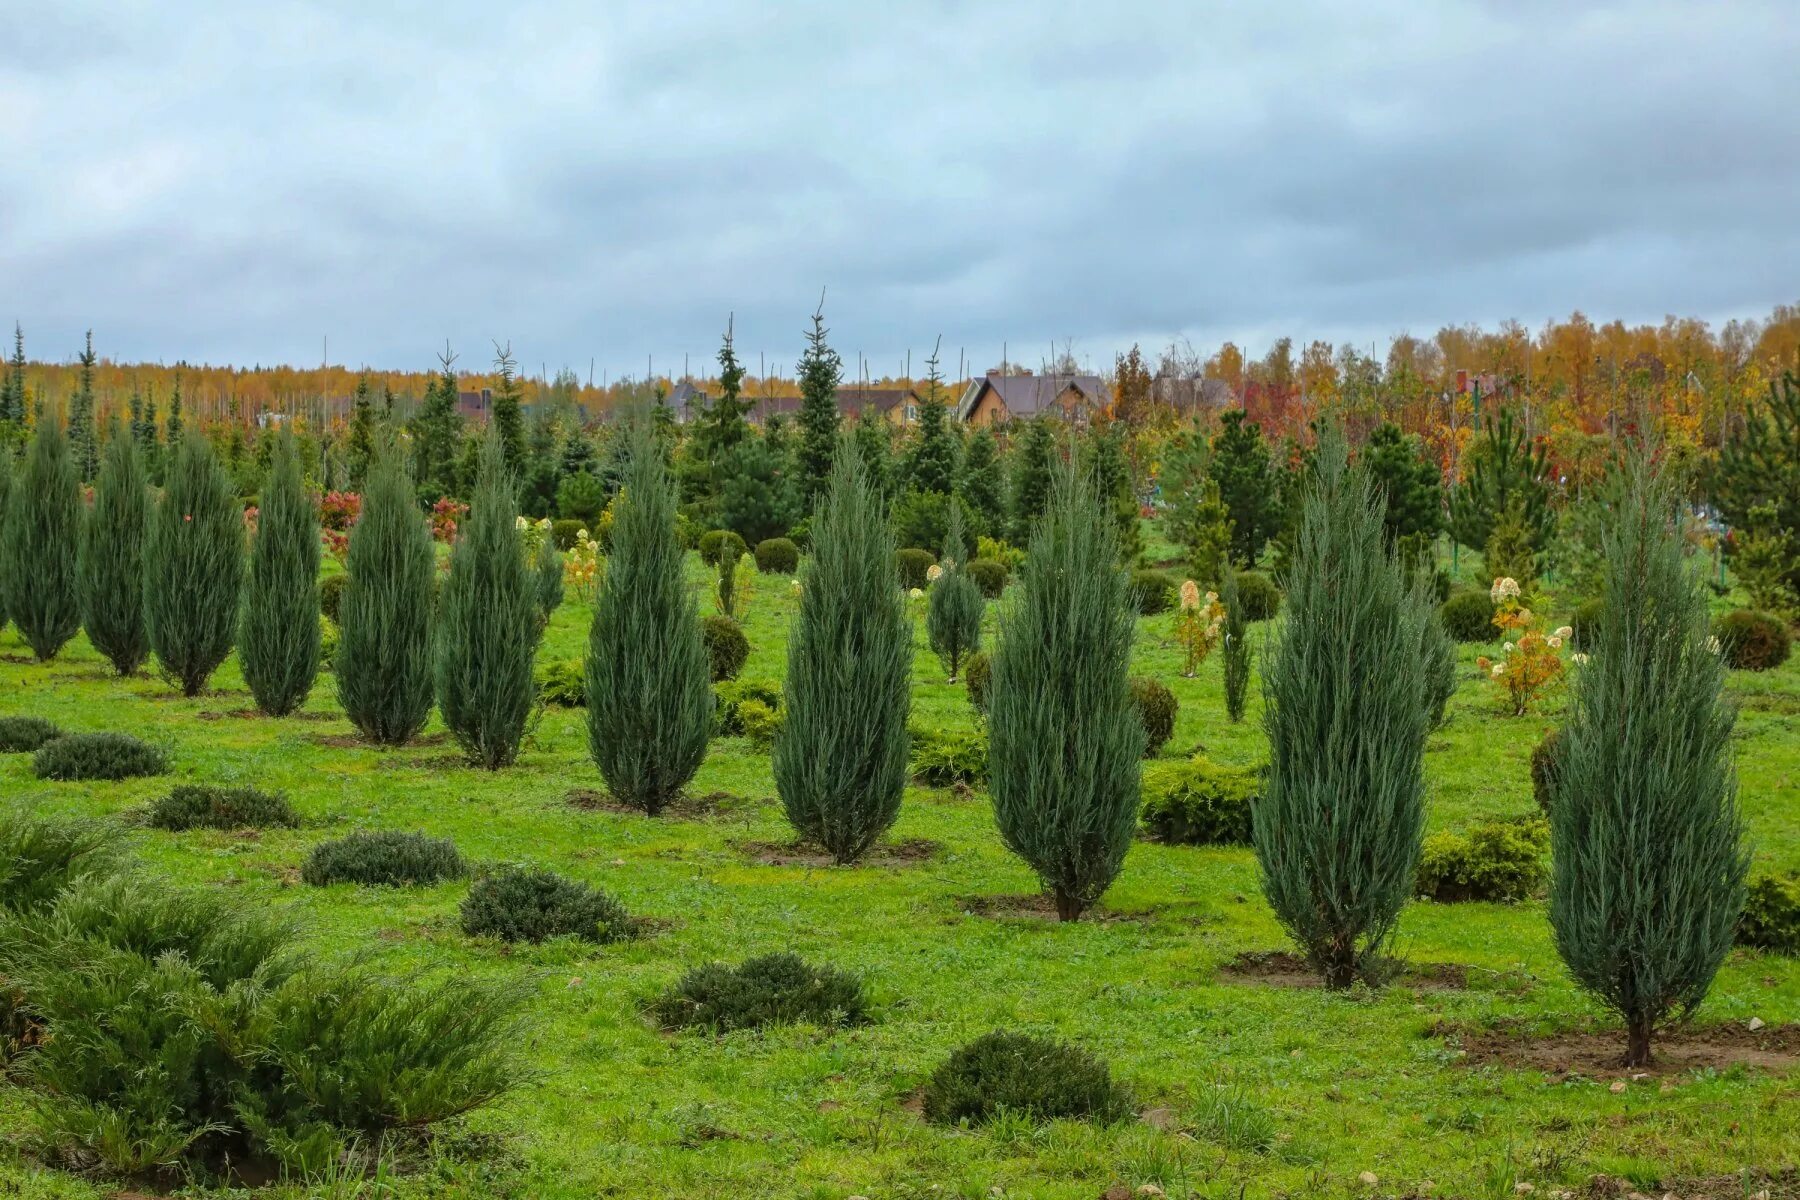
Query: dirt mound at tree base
[1600, 1053]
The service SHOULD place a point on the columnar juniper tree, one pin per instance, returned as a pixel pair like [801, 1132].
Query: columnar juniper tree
[1647, 853]
[1064, 738]
[1236, 648]
[953, 616]
[39, 550]
[383, 661]
[194, 567]
[650, 700]
[112, 558]
[278, 644]
[840, 757]
[488, 624]
[1339, 826]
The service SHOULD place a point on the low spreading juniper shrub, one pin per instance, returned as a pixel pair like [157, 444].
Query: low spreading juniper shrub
[1259, 595]
[977, 672]
[1753, 641]
[97, 756]
[383, 858]
[1546, 766]
[771, 989]
[203, 806]
[42, 854]
[777, 556]
[1039, 1078]
[912, 564]
[1199, 803]
[1469, 617]
[1500, 861]
[990, 575]
[24, 735]
[1156, 707]
[1771, 918]
[942, 758]
[726, 646]
[518, 904]
[562, 682]
[1152, 591]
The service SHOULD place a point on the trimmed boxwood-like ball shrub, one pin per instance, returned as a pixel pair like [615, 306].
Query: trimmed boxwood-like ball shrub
[519, 904]
[1582, 624]
[201, 806]
[734, 694]
[1496, 860]
[331, 594]
[1753, 641]
[1259, 595]
[383, 858]
[726, 646]
[990, 575]
[1156, 706]
[1771, 918]
[912, 564]
[1469, 617]
[98, 756]
[718, 544]
[1151, 591]
[565, 533]
[942, 758]
[777, 556]
[1039, 1078]
[1546, 765]
[771, 989]
[22, 735]
[1199, 803]
[977, 672]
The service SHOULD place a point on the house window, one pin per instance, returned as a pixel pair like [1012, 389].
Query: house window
[912, 412]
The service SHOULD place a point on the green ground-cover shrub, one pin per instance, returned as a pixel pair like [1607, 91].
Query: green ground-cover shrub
[383, 858]
[1038, 1078]
[1496, 860]
[109, 756]
[1771, 918]
[771, 989]
[1156, 708]
[519, 904]
[1259, 595]
[1199, 803]
[23, 735]
[942, 757]
[203, 806]
[777, 556]
[989, 575]
[726, 646]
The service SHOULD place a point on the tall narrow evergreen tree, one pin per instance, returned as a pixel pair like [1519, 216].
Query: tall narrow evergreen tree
[12, 393]
[6, 495]
[383, 662]
[874, 444]
[1247, 485]
[649, 683]
[840, 757]
[1033, 473]
[953, 614]
[983, 485]
[83, 440]
[509, 412]
[1236, 649]
[39, 548]
[820, 371]
[194, 567]
[278, 644]
[488, 624]
[1064, 737]
[360, 450]
[1339, 827]
[111, 566]
[930, 464]
[547, 573]
[437, 433]
[1647, 853]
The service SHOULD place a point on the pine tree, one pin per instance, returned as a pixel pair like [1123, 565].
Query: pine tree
[1033, 473]
[172, 429]
[840, 757]
[1408, 481]
[488, 624]
[509, 414]
[930, 464]
[278, 643]
[953, 614]
[194, 567]
[1501, 470]
[1064, 737]
[83, 443]
[983, 484]
[820, 371]
[111, 567]
[650, 699]
[1247, 485]
[383, 662]
[756, 494]
[1647, 854]
[361, 449]
[41, 544]
[1757, 482]
[1236, 649]
[1339, 827]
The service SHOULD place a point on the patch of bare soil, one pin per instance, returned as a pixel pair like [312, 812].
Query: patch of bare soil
[1776, 1185]
[22, 659]
[1279, 968]
[1036, 906]
[257, 714]
[1600, 1053]
[713, 806]
[170, 691]
[805, 854]
[341, 741]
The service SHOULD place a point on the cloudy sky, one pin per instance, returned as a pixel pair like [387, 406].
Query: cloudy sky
[236, 183]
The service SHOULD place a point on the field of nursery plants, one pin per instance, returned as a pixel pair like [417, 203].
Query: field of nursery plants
[556, 861]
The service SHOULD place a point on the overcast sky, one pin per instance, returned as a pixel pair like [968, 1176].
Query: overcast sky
[234, 183]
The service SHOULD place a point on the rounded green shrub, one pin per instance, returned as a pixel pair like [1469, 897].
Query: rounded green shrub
[519, 904]
[97, 756]
[771, 989]
[1199, 803]
[1771, 918]
[331, 594]
[1258, 594]
[1546, 766]
[563, 683]
[1582, 624]
[202, 806]
[1497, 860]
[990, 575]
[23, 735]
[1152, 591]
[1156, 708]
[912, 564]
[1468, 616]
[759, 721]
[718, 544]
[1038, 1078]
[1753, 641]
[978, 672]
[383, 858]
[726, 646]
[732, 694]
[565, 533]
[777, 556]
[941, 758]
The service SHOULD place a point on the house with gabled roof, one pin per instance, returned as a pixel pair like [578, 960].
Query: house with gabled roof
[997, 398]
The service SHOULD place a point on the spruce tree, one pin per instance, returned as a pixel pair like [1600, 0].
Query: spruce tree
[1410, 483]
[111, 566]
[488, 624]
[360, 451]
[1111, 474]
[1339, 827]
[40, 547]
[194, 567]
[953, 614]
[6, 496]
[12, 393]
[1033, 474]
[1247, 485]
[83, 441]
[1236, 649]
[437, 433]
[983, 484]
[820, 371]
[1064, 737]
[383, 662]
[509, 415]
[756, 494]
[1647, 853]
[874, 445]
[840, 757]
[650, 699]
[278, 643]
[930, 464]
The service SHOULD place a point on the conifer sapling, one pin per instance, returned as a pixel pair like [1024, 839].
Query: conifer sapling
[194, 567]
[112, 558]
[278, 644]
[39, 546]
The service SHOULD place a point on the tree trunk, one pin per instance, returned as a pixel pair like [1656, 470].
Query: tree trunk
[1068, 908]
[1637, 1050]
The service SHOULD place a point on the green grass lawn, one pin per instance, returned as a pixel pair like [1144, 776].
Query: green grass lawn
[1249, 1087]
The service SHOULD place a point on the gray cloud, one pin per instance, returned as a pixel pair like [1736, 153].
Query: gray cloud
[608, 182]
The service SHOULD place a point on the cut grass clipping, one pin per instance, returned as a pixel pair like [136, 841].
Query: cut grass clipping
[201, 806]
[772, 989]
[1015, 1073]
[383, 858]
[523, 905]
[78, 756]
